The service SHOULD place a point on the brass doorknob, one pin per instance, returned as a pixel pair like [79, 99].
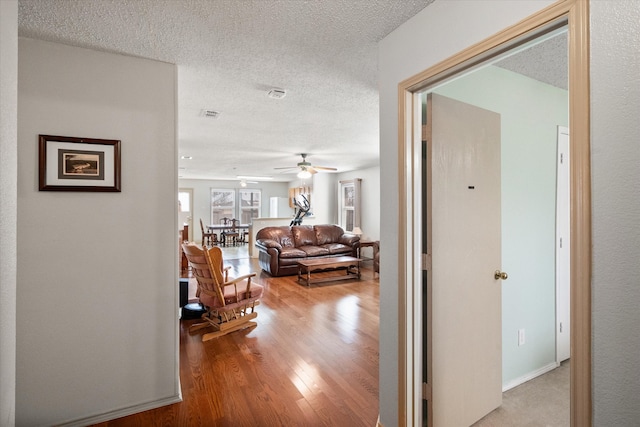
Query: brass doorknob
[500, 275]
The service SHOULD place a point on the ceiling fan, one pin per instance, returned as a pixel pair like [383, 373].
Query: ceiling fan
[306, 169]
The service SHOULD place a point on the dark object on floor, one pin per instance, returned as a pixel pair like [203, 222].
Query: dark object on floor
[193, 310]
[183, 284]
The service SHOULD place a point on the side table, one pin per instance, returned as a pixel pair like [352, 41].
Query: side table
[376, 251]
[367, 244]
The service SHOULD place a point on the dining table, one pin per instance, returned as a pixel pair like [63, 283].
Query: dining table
[242, 230]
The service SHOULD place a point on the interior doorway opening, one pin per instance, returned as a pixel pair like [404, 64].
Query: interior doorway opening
[415, 264]
[519, 320]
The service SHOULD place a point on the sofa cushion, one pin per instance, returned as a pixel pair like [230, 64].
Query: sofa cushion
[304, 235]
[327, 233]
[281, 234]
[337, 248]
[315, 250]
[289, 252]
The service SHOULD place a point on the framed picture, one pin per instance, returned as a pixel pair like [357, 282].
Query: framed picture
[78, 164]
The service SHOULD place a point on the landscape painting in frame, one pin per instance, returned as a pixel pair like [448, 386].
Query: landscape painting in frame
[78, 164]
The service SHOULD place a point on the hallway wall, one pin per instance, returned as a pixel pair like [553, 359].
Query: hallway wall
[8, 206]
[97, 303]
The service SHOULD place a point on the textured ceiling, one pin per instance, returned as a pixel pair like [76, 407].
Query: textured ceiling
[547, 61]
[229, 54]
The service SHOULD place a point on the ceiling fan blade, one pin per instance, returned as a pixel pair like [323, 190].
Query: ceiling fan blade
[304, 165]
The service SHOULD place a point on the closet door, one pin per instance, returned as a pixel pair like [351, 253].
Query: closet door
[466, 253]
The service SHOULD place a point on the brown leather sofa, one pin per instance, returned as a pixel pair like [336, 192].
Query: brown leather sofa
[280, 248]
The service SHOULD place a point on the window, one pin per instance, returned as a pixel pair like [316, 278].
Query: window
[223, 205]
[348, 209]
[349, 204]
[249, 205]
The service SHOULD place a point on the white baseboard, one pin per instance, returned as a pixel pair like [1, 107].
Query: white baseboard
[119, 413]
[528, 377]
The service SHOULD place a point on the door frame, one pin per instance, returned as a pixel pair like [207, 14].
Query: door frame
[575, 15]
[563, 248]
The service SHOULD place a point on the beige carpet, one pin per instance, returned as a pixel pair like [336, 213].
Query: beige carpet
[541, 402]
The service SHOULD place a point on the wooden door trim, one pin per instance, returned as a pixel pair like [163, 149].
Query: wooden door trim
[574, 14]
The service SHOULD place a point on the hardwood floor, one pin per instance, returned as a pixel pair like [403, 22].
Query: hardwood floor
[311, 361]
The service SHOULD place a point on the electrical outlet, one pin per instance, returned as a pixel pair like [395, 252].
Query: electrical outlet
[520, 337]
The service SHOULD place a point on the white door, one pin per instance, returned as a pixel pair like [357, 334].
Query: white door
[563, 249]
[466, 252]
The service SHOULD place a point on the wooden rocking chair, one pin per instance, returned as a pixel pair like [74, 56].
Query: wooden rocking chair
[229, 303]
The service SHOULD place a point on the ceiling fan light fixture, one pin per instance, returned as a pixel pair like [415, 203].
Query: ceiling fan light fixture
[304, 174]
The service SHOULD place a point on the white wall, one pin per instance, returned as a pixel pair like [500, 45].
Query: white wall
[323, 198]
[8, 206]
[530, 112]
[615, 103]
[441, 30]
[97, 272]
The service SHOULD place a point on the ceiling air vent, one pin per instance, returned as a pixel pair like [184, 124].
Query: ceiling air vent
[212, 114]
[276, 93]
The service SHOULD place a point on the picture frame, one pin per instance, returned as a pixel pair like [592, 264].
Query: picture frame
[78, 164]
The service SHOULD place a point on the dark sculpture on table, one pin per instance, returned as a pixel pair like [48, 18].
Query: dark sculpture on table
[302, 210]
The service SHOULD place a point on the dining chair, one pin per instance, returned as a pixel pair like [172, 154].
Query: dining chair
[208, 238]
[230, 232]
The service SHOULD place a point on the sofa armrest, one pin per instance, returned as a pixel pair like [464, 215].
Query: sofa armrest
[269, 255]
[349, 239]
[268, 243]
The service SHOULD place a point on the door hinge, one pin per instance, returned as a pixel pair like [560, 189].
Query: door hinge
[426, 391]
[426, 262]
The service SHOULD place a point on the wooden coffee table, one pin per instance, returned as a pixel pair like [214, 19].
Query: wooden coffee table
[308, 266]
